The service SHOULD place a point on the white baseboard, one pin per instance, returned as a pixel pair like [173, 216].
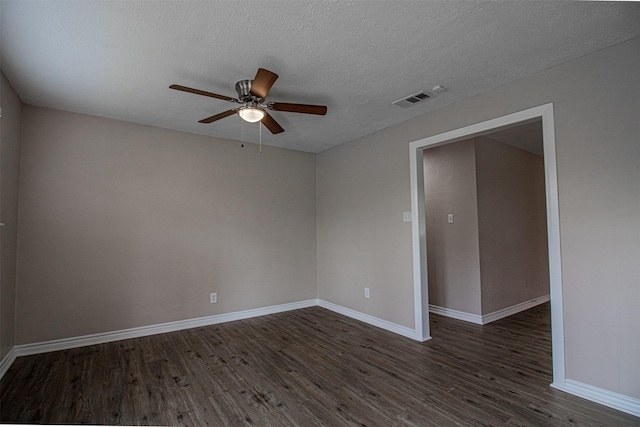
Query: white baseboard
[7, 361]
[491, 317]
[68, 343]
[455, 314]
[371, 320]
[497, 315]
[101, 338]
[608, 398]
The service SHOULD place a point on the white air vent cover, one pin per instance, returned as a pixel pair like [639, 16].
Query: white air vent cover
[412, 100]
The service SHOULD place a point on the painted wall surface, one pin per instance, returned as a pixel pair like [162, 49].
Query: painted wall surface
[494, 255]
[453, 249]
[124, 225]
[9, 172]
[512, 211]
[362, 240]
[596, 113]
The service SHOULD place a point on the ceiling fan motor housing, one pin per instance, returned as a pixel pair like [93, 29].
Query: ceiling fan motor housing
[243, 87]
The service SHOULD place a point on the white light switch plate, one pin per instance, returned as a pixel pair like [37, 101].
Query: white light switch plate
[406, 216]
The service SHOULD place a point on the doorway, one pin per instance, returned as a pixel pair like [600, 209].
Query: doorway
[419, 244]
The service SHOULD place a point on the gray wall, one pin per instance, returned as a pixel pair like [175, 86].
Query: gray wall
[9, 171]
[362, 190]
[453, 250]
[494, 255]
[124, 225]
[512, 225]
[363, 186]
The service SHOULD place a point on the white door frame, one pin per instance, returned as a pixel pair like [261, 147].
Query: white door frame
[418, 229]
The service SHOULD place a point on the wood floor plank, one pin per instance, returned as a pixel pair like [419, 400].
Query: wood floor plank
[308, 367]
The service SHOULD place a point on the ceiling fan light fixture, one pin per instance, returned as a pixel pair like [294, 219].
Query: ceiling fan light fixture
[251, 114]
[251, 97]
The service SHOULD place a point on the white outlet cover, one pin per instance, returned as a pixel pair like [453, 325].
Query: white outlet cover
[406, 216]
[213, 298]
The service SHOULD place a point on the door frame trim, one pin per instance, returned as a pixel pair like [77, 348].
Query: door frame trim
[418, 228]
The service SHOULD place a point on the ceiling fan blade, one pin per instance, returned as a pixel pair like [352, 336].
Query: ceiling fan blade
[202, 92]
[270, 123]
[218, 116]
[320, 110]
[262, 83]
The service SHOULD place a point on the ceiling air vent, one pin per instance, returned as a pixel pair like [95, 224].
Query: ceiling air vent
[412, 99]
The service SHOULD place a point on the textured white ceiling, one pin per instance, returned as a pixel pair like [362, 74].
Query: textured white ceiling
[117, 58]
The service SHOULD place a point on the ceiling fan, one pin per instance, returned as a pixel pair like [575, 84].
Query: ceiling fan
[251, 96]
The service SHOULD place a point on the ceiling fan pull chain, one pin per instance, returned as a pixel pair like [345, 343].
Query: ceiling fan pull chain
[260, 131]
[242, 134]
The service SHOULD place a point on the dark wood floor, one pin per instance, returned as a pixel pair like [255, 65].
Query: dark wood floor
[304, 368]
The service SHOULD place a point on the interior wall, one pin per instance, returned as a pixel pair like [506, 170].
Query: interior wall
[10, 123]
[514, 258]
[124, 225]
[453, 250]
[596, 108]
[362, 239]
[494, 255]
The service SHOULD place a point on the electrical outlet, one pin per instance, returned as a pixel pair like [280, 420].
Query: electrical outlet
[213, 298]
[366, 293]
